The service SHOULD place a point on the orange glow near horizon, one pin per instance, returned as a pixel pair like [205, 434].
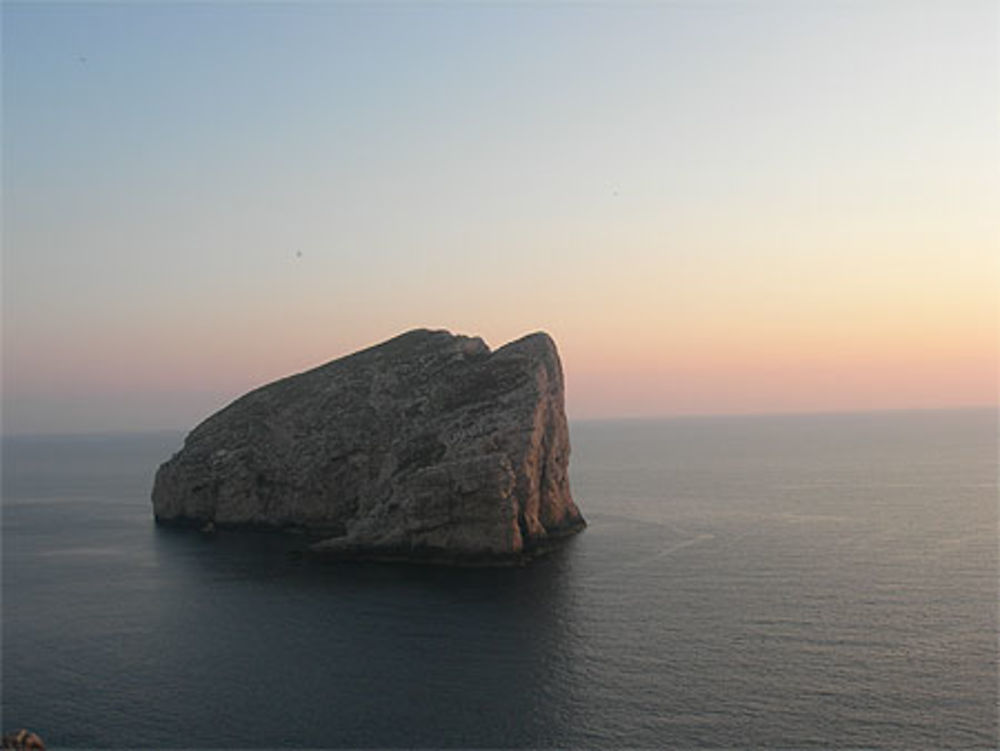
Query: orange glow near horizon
[789, 386]
[646, 339]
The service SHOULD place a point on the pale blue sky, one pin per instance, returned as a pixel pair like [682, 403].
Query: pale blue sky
[635, 178]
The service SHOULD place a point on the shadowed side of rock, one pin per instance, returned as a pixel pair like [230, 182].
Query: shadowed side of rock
[426, 447]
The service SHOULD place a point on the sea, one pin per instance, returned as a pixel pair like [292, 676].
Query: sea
[820, 581]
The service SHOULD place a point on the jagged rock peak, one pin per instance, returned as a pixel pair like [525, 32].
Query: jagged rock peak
[428, 447]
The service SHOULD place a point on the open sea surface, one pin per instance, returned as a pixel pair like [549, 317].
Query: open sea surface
[803, 581]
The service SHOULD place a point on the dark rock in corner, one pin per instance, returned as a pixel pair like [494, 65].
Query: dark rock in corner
[426, 447]
[23, 740]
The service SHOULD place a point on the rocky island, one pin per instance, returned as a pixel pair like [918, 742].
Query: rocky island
[427, 447]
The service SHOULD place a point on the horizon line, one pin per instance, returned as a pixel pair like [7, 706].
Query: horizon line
[621, 418]
[789, 413]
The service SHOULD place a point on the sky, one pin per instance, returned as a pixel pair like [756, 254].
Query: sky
[713, 207]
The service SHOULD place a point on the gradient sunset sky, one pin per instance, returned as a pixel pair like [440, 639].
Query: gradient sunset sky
[713, 207]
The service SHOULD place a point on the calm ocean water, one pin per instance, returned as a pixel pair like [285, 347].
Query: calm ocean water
[821, 581]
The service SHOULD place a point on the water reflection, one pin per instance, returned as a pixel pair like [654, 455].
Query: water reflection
[369, 654]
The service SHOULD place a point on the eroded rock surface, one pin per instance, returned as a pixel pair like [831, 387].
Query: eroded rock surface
[426, 447]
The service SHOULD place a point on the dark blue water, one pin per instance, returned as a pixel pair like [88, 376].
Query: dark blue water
[825, 581]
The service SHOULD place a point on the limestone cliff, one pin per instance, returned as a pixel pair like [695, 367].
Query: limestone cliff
[428, 446]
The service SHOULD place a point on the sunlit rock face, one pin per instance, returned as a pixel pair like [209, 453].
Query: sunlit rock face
[426, 447]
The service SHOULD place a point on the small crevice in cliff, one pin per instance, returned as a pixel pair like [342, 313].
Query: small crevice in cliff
[522, 526]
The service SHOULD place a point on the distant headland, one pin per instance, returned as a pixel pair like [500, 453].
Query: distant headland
[427, 447]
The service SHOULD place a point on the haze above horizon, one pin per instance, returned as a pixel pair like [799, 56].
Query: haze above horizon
[713, 208]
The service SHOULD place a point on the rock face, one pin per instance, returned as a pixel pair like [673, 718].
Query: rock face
[23, 740]
[426, 447]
